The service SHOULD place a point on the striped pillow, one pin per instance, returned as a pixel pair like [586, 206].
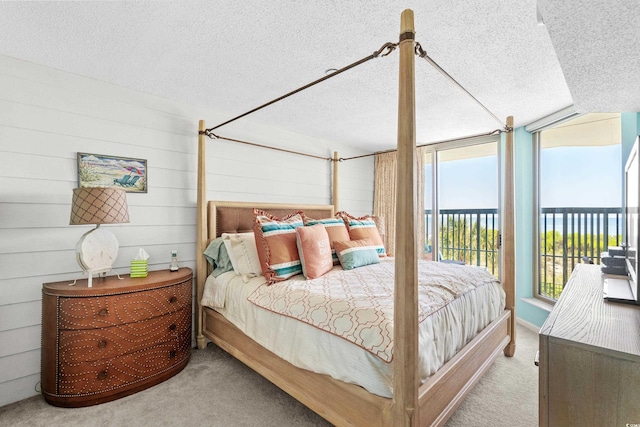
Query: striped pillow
[356, 253]
[336, 230]
[363, 228]
[276, 244]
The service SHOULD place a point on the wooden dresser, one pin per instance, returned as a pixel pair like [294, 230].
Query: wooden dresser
[115, 338]
[589, 357]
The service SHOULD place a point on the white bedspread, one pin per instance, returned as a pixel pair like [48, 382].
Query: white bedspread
[442, 331]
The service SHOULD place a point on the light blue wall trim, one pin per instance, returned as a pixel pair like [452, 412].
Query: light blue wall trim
[523, 169]
[630, 123]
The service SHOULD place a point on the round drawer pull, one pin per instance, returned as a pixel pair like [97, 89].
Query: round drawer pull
[173, 299]
[103, 312]
[172, 327]
[102, 375]
[102, 344]
[172, 354]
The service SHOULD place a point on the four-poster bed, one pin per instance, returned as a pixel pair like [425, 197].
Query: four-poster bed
[342, 403]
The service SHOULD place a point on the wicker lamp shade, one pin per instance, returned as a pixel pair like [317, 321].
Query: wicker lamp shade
[99, 205]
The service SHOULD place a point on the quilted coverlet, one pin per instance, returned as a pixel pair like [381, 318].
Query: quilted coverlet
[357, 304]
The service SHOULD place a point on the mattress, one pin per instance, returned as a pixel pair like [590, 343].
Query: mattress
[443, 328]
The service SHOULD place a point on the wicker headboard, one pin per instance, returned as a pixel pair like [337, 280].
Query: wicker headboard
[237, 217]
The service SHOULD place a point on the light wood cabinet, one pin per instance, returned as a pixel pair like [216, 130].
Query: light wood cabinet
[589, 357]
[115, 338]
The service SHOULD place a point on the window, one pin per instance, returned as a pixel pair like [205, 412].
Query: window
[579, 197]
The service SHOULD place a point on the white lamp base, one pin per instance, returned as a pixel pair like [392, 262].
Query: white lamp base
[96, 251]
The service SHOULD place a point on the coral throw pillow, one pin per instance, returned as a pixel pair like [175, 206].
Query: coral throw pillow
[363, 227]
[276, 244]
[314, 249]
[336, 229]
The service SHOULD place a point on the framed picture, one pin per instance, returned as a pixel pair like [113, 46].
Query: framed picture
[98, 170]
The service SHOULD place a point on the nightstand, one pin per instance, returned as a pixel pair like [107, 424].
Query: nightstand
[116, 338]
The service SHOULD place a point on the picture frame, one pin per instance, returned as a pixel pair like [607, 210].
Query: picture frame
[100, 170]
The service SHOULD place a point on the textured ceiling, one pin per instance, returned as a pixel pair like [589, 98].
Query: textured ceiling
[597, 43]
[234, 56]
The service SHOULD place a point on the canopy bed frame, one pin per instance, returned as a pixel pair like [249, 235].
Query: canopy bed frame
[412, 404]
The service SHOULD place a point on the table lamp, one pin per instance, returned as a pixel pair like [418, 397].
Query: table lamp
[97, 249]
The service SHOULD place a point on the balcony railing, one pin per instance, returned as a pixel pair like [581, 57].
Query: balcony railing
[569, 234]
[467, 235]
[566, 236]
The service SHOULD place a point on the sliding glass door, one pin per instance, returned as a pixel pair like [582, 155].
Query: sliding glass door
[462, 203]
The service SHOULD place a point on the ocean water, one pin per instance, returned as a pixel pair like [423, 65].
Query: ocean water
[589, 225]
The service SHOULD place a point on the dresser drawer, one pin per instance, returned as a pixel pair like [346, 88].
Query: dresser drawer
[85, 345]
[121, 308]
[124, 371]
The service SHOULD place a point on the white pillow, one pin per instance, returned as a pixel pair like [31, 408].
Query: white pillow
[243, 253]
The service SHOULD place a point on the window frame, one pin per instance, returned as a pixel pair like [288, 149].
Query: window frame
[536, 129]
[434, 150]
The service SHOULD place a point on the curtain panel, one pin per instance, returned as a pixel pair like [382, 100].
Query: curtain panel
[424, 157]
[384, 200]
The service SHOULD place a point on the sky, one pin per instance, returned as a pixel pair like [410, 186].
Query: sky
[468, 183]
[570, 177]
[581, 177]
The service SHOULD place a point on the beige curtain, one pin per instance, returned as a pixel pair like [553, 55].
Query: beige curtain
[422, 156]
[384, 198]
[384, 201]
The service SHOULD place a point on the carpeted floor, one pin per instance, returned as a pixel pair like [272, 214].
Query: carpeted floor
[217, 390]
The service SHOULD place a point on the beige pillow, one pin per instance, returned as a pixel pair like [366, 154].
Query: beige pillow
[243, 253]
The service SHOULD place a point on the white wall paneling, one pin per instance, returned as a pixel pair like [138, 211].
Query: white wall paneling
[21, 388]
[48, 116]
[20, 340]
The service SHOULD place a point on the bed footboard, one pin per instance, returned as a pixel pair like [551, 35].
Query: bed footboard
[443, 392]
[340, 403]
[345, 404]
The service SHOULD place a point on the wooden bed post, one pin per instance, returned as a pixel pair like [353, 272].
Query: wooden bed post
[334, 197]
[508, 238]
[405, 355]
[201, 231]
